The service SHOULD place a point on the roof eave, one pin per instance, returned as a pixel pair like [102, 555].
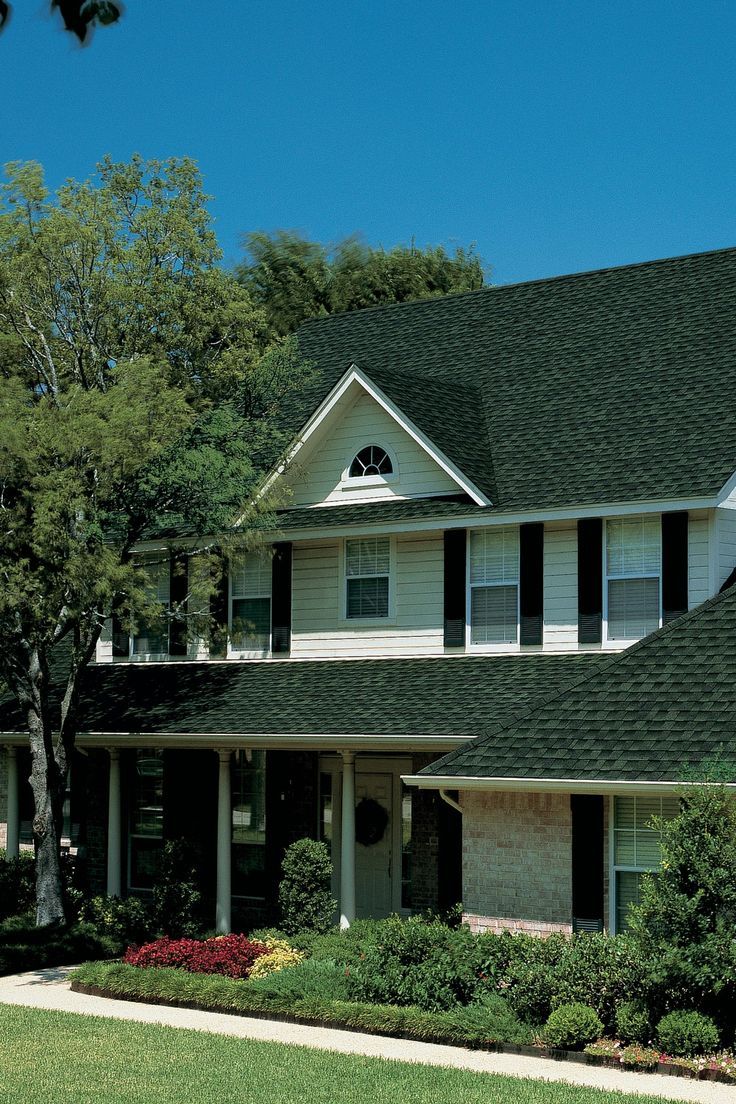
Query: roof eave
[545, 785]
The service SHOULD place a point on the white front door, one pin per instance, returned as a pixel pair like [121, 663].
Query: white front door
[373, 861]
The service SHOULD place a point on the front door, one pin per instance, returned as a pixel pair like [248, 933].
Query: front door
[373, 856]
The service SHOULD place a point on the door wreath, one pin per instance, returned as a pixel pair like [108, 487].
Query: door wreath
[371, 821]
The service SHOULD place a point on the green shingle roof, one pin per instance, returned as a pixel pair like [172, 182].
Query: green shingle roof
[442, 507]
[609, 385]
[436, 697]
[663, 707]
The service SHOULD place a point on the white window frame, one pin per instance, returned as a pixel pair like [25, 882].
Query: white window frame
[613, 867]
[350, 482]
[359, 622]
[233, 651]
[502, 646]
[621, 641]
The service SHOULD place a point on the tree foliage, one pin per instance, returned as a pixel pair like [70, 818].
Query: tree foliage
[293, 279]
[80, 17]
[133, 395]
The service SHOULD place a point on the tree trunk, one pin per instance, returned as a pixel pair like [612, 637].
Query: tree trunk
[48, 782]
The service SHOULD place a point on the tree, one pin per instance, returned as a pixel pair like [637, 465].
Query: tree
[685, 922]
[132, 396]
[79, 16]
[293, 279]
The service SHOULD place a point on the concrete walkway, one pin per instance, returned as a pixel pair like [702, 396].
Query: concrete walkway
[50, 989]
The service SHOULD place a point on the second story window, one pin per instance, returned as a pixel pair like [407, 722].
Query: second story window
[152, 632]
[250, 602]
[494, 586]
[368, 572]
[633, 570]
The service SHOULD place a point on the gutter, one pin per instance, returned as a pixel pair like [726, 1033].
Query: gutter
[544, 785]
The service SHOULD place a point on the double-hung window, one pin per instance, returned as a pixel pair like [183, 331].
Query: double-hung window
[152, 632]
[636, 847]
[146, 818]
[494, 585]
[250, 600]
[367, 577]
[633, 575]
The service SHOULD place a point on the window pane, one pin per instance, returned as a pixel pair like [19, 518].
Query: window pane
[251, 628]
[633, 608]
[494, 615]
[251, 576]
[368, 597]
[494, 555]
[648, 850]
[152, 636]
[146, 817]
[624, 848]
[249, 823]
[633, 546]
[326, 807]
[369, 556]
[627, 894]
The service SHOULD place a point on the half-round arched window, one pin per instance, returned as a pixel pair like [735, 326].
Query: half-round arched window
[371, 460]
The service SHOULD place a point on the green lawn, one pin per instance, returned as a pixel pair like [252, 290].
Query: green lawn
[66, 1059]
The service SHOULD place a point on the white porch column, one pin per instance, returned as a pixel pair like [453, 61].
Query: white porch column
[114, 822]
[224, 845]
[12, 845]
[347, 841]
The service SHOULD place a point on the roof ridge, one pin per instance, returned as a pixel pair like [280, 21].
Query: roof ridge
[581, 273]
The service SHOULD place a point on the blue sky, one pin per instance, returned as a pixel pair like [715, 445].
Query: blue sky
[558, 135]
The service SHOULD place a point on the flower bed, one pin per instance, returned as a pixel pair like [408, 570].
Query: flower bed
[229, 955]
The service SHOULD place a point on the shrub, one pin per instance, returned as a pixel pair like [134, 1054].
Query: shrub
[305, 896]
[17, 885]
[23, 946]
[280, 955]
[318, 979]
[572, 1026]
[685, 921]
[229, 955]
[125, 921]
[412, 962]
[632, 1023]
[491, 1020]
[684, 1034]
[176, 899]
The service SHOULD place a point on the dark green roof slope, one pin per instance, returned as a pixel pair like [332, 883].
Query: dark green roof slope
[443, 507]
[440, 696]
[609, 385]
[665, 705]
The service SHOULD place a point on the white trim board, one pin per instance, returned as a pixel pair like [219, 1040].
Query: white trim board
[354, 376]
[544, 785]
[272, 740]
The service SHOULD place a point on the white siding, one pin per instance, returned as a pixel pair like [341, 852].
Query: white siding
[318, 478]
[561, 586]
[698, 558]
[725, 529]
[417, 628]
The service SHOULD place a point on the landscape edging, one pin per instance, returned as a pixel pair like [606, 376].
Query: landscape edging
[559, 1055]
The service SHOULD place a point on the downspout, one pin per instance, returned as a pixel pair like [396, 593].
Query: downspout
[451, 801]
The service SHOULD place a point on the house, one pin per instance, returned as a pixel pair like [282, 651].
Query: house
[492, 498]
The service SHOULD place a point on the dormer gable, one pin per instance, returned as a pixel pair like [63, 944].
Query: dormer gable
[361, 445]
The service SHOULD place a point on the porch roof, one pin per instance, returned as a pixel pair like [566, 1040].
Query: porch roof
[444, 696]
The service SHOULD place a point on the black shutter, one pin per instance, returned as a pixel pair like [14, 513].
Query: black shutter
[674, 565]
[531, 582]
[281, 598]
[587, 862]
[178, 589]
[590, 580]
[219, 612]
[120, 639]
[455, 570]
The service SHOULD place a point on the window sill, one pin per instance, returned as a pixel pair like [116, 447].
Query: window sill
[359, 622]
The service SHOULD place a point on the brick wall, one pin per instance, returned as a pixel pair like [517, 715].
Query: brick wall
[517, 869]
